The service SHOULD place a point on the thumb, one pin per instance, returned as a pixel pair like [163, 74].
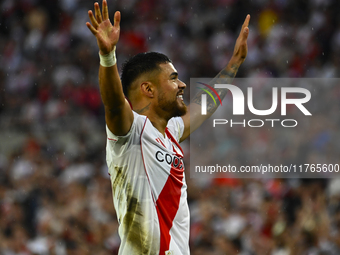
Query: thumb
[245, 33]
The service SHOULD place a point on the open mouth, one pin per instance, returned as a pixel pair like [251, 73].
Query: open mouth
[180, 97]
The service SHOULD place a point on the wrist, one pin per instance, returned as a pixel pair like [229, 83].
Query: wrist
[108, 60]
[236, 61]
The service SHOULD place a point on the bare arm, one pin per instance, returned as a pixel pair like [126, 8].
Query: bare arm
[118, 114]
[228, 73]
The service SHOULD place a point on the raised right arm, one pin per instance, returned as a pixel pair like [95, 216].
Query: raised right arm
[118, 114]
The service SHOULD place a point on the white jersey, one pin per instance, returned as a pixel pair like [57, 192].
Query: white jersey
[149, 188]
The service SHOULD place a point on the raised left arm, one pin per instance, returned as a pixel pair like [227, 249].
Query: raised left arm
[228, 73]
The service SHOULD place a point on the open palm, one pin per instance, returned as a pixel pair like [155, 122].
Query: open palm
[241, 48]
[107, 35]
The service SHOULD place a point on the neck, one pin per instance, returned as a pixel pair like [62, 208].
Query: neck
[159, 123]
[158, 120]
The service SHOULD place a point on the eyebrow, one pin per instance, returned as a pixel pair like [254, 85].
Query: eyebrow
[174, 74]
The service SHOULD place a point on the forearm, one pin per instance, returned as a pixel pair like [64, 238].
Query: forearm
[226, 75]
[194, 119]
[118, 114]
[110, 86]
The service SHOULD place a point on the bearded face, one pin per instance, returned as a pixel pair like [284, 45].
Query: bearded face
[170, 91]
[172, 103]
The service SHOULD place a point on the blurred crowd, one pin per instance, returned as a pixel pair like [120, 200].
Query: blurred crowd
[55, 194]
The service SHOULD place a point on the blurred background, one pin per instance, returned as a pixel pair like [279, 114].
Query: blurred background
[55, 194]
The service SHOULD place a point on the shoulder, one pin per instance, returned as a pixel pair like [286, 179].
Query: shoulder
[136, 127]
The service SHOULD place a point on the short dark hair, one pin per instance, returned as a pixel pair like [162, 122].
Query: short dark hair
[140, 64]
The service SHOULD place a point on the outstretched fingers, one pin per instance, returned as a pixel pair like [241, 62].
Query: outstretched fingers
[105, 10]
[97, 13]
[92, 29]
[245, 30]
[246, 22]
[117, 19]
[92, 19]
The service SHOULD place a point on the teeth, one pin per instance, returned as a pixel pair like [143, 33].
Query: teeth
[180, 96]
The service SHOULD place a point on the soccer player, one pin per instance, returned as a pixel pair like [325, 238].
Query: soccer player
[144, 157]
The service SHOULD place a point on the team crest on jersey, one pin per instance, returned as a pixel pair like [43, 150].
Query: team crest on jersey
[169, 253]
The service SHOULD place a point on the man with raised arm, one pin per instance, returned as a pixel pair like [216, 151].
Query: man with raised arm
[143, 153]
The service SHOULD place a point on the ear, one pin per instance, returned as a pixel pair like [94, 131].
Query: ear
[148, 89]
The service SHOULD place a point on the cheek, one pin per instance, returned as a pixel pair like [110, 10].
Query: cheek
[169, 89]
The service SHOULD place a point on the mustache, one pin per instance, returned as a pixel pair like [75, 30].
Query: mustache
[180, 92]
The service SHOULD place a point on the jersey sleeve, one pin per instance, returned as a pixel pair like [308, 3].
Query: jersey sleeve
[176, 127]
[119, 144]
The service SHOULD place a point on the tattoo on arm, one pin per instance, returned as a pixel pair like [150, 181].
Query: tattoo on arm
[227, 74]
[140, 111]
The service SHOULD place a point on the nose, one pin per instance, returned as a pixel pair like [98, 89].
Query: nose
[182, 85]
